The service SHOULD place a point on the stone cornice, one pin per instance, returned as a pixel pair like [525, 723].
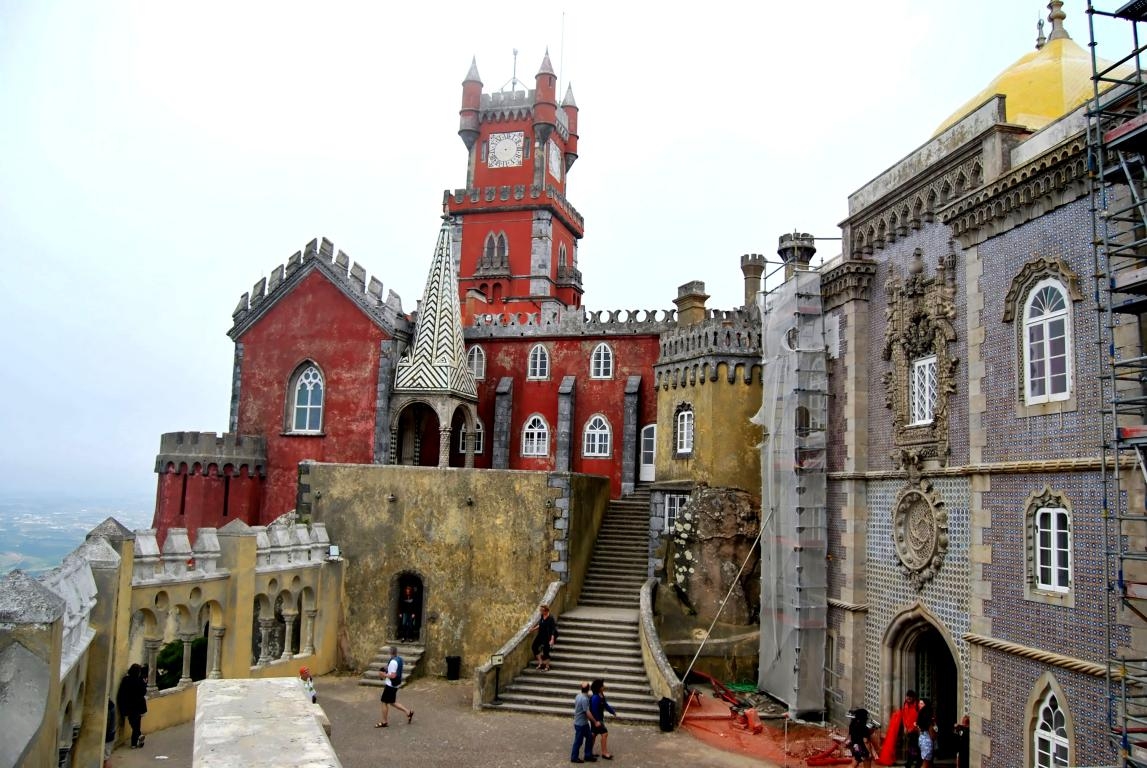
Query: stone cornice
[1089, 464]
[1035, 654]
[1051, 180]
[848, 281]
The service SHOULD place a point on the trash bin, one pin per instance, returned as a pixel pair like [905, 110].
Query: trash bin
[668, 714]
[454, 667]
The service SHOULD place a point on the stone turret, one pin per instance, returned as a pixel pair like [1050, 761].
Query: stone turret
[545, 101]
[468, 127]
[569, 106]
[752, 267]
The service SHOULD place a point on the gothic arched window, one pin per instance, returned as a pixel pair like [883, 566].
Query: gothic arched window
[1051, 742]
[307, 399]
[476, 361]
[539, 363]
[1047, 343]
[535, 437]
[597, 441]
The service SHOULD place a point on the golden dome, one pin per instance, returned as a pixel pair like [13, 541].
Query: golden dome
[1042, 85]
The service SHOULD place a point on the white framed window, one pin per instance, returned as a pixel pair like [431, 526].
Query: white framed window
[1047, 344]
[308, 397]
[479, 438]
[684, 430]
[535, 437]
[1053, 549]
[601, 362]
[922, 390]
[539, 363]
[1051, 742]
[476, 362]
[597, 440]
[673, 504]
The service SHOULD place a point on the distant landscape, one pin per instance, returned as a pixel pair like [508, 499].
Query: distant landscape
[36, 531]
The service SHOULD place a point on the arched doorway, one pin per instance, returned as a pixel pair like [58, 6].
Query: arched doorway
[418, 436]
[408, 608]
[647, 469]
[920, 655]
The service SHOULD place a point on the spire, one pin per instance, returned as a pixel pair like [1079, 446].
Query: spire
[1056, 17]
[568, 101]
[472, 76]
[1040, 39]
[436, 360]
[547, 68]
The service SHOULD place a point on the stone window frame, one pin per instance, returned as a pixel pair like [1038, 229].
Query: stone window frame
[496, 251]
[476, 362]
[563, 255]
[294, 388]
[535, 436]
[1031, 276]
[601, 362]
[598, 436]
[1047, 498]
[538, 363]
[684, 430]
[922, 409]
[479, 438]
[1045, 690]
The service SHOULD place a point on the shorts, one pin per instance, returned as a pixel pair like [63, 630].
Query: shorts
[541, 648]
[599, 729]
[389, 694]
[926, 746]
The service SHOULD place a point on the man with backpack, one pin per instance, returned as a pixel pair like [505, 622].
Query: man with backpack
[392, 677]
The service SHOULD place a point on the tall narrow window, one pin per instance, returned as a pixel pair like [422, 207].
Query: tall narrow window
[1051, 743]
[539, 365]
[476, 439]
[684, 430]
[502, 250]
[673, 504]
[308, 401]
[535, 437]
[1053, 549]
[563, 256]
[601, 362]
[1047, 344]
[597, 440]
[491, 249]
[476, 361]
[922, 390]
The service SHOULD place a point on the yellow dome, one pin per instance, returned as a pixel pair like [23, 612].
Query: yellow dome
[1041, 87]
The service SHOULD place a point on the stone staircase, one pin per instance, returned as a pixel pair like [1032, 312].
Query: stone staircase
[411, 654]
[599, 638]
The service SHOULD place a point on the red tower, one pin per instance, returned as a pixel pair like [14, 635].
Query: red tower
[516, 233]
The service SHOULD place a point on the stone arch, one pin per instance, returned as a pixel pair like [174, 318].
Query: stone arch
[918, 652]
[406, 620]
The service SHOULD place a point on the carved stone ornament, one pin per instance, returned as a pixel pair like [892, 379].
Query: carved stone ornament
[919, 316]
[1032, 273]
[920, 532]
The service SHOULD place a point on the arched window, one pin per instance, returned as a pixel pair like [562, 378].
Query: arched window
[535, 437]
[503, 249]
[601, 362]
[563, 256]
[491, 249]
[307, 402]
[1047, 343]
[479, 439]
[539, 365]
[683, 430]
[597, 440]
[922, 390]
[1053, 549]
[476, 361]
[1051, 742]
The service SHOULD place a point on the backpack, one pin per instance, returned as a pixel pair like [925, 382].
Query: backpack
[397, 681]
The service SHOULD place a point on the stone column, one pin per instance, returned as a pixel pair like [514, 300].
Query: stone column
[468, 450]
[265, 627]
[216, 653]
[309, 631]
[444, 447]
[151, 648]
[288, 634]
[185, 676]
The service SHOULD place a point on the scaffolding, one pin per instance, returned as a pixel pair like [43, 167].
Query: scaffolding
[1117, 150]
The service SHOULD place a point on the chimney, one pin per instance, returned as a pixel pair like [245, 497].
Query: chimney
[690, 303]
[796, 251]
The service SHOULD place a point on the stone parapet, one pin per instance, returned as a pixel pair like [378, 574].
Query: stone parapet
[351, 278]
[556, 321]
[729, 338]
[514, 196]
[207, 448]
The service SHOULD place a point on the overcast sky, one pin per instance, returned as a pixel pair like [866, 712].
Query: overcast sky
[158, 158]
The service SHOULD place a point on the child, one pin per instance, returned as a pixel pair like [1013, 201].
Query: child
[308, 684]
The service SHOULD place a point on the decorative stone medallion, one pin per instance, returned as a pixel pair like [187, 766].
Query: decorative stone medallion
[920, 532]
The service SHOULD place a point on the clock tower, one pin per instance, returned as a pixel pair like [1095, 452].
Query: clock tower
[515, 233]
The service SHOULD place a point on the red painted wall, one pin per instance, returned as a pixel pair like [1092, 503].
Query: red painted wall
[315, 322]
[632, 355]
[193, 497]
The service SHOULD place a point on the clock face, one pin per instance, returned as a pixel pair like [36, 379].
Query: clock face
[505, 150]
[555, 161]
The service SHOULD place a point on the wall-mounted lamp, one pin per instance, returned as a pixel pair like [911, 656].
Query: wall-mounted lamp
[469, 501]
[549, 503]
[391, 498]
[318, 495]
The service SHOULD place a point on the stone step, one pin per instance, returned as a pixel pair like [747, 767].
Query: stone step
[590, 668]
[620, 698]
[609, 602]
[633, 707]
[566, 710]
[556, 678]
[588, 635]
[411, 656]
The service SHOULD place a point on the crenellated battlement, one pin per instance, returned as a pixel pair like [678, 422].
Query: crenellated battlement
[503, 106]
[558, 320]
[484, 197]
[208, 448]
[351, 277]
[725, 337]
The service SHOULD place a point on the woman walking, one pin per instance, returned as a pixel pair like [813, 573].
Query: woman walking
[598, 706]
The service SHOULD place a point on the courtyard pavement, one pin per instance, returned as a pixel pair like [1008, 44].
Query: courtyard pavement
[448, 733]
